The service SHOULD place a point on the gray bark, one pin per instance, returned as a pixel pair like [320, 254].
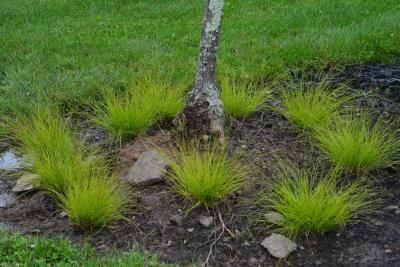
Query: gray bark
[204, 112]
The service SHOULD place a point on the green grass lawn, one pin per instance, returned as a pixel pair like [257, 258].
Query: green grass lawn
[17, 250]
[67, 52]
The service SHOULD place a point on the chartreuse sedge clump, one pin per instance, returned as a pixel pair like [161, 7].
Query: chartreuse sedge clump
[311, 106]
[94, 202]
[205, 175]
[314, 202]
[132, 112]
[76, 177]
[358, 143]
[53, 151]
[242, 98]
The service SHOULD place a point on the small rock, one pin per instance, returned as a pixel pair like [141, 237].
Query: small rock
[247, 244]
[206, 221]
[190, 230]
[63, 214]
[226, 239]
[392, 207]
[148, 169]
[278, 245]
[274, 217]
[388, 250]
[177, 219]
[253, 261]
[378, 223]
[26, 182]
[6, 200]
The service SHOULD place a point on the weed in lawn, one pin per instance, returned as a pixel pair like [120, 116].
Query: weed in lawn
[205, 175]
[95, 202]
[357, 143]
[129, 114]
[53, 151]
[241, 99]
[311, 106]
[311, 202]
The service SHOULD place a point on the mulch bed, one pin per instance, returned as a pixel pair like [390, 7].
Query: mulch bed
[163, 224]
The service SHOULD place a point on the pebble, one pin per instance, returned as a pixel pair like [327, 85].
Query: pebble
[392, 207]
[190, 230]
[206, 221]
[177, 219]
[279, 246]
[25, 182]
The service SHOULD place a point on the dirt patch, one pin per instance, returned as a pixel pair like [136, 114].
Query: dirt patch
[163, 225]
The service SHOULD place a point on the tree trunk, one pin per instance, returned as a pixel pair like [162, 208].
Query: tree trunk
[204, 112]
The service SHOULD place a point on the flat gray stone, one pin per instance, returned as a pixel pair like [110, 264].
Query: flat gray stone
[6, 199]
[274, 217]
[206, 221]
[279, 246]
[26, 182]
[148, 169]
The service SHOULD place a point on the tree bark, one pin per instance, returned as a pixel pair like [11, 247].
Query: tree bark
[204, 112]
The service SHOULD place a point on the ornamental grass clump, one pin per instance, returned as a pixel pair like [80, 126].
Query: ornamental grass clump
[205, 176]
[132, 112]
[75, 176]
[95, 202]
[166, 97]
[53, 151]
[128, 114]
[312, 106]
[358, 143]
[314, 202]
[240, 98]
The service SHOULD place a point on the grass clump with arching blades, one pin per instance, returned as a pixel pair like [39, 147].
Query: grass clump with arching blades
[360, 144]
[311, 106]
[205, 176]
[126, 115]
[166, 97]
[135, 110]
[78, 178]
[95, 202]
[53, 151]
[241, 99]
[311, 202]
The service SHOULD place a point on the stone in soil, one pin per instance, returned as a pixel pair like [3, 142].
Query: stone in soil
[6, 199]
[10, 161]
[206, 221]
[279, 246]
[148, 169]
[26, 182]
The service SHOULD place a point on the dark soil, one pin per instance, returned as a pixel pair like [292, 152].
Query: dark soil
[163, 224]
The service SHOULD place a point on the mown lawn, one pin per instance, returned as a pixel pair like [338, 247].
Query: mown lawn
[17, 250]
[68, 52]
